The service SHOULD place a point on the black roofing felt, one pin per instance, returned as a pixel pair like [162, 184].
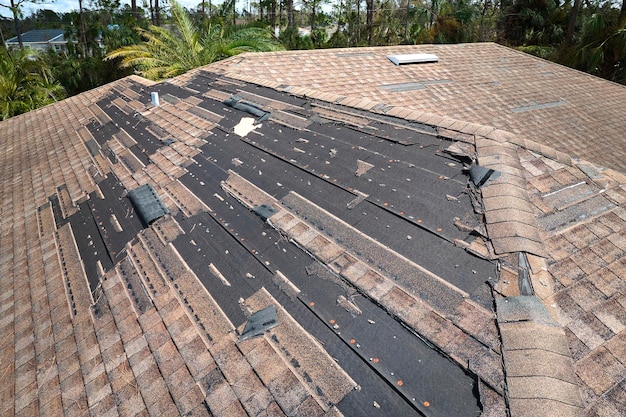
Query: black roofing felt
[402, 202]
[426, 375]
[97, 237]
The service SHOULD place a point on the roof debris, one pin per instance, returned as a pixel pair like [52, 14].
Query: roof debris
[480, 175]
[259, 323]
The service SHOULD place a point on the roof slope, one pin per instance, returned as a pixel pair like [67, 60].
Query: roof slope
[356, 221]
[39, 36]
[482, 83]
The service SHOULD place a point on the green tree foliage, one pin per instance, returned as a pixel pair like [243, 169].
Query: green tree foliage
[600, 44]
[15, 7]
[26, 83]
[534, 22]
[166, 52]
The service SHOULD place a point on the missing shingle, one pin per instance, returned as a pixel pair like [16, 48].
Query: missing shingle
[538, 106]
[407, 59]
[411, 86]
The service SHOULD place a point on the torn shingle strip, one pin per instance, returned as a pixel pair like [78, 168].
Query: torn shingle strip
[480, 175]
[411, 309]
[576, 213]
[538, 106]
[327, 383]
[238, 103]
[433, 288]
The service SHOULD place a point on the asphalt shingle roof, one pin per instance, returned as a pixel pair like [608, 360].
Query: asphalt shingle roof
[400, 287]
[39, 36]
[481, 83]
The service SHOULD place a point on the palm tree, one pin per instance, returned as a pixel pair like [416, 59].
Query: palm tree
[165, 53]
[26, 83]
[602, 47]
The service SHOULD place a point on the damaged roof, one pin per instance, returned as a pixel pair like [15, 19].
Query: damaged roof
[481, 83]
[309, 257]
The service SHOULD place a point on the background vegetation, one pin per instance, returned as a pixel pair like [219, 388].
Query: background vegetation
[160, 39]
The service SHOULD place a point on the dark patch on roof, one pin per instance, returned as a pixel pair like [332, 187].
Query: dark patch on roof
[415, 85]
[265, 211]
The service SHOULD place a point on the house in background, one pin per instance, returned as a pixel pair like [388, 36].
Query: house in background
[41, 40]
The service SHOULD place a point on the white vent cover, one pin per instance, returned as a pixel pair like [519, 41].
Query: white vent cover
[413, 59]
[155, 99]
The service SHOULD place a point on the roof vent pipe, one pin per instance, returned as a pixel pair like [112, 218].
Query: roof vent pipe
[155, 99]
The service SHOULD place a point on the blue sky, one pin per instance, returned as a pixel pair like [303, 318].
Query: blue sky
[69, 5]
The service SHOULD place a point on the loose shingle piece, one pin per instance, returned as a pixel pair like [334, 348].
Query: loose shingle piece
[270, 242]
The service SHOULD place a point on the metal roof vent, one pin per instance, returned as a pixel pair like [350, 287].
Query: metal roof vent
[413, 59]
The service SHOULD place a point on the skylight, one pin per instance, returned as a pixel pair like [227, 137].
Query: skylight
[413, 59]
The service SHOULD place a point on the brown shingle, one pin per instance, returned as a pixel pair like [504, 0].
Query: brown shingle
[104, 407]
[438, 330]
[607, 282]
[97, 389]
[544, 408]
[168, 358]
[263, 360]
[197, 357]
[607, 250]
[190, 401]
[600, 370]
[531, 362]
[230, 359]
[588, 261]
[613, 315]
[585, 329]
[529, 335]
[157, 336]
[220, 397]
[287, 391]
[539, 387]
[567, 272]
[586, 295]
